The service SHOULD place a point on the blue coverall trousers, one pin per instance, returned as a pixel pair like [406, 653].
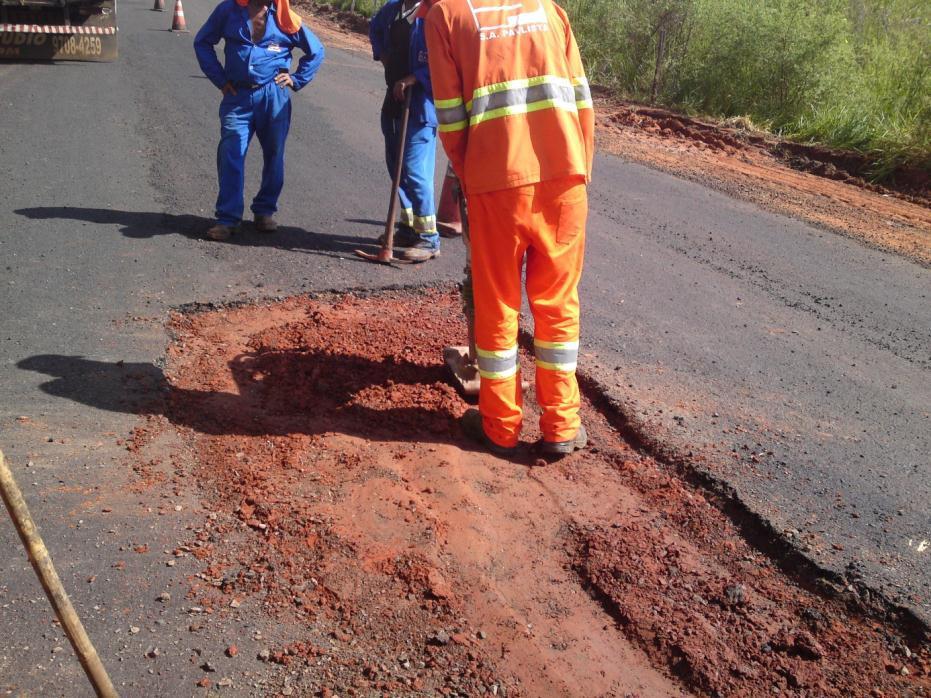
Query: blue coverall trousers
[265, 112]
[416, 191]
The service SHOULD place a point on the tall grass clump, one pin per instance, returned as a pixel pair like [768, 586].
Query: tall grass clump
[854, 74]
[366, 8]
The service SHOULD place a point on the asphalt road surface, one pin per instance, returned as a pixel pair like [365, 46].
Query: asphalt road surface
[794, 363]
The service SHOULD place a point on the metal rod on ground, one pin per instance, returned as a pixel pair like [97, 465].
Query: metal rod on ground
[385, 256]
[42, 564]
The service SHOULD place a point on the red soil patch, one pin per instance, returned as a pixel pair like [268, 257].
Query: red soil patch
[350, 507]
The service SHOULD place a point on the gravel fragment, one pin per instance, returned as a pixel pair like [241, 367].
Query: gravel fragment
[441, 637]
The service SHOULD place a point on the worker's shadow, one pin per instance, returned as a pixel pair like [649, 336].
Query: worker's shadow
[272, 393]
[136, 224]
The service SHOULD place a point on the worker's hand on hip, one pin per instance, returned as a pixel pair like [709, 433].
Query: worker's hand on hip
[402, 85]
[284, 80]
[228, 89]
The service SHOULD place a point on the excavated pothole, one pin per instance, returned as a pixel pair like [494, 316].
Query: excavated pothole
[348, 506]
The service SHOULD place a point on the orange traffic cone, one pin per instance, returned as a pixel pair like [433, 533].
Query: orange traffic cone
[448, 220]
[159, 6]
[177, 22]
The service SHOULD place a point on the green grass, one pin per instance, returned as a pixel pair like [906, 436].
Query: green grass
[851, 74]
[366, 8]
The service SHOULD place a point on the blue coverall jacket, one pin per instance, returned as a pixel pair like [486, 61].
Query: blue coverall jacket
[259, 107]
[418, 209]
[422, 109]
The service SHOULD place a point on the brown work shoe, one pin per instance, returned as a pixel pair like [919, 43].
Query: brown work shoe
[220, 232]
[420, 252]
[265, 224]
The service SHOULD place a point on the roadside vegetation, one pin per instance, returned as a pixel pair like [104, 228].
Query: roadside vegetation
[852, 74]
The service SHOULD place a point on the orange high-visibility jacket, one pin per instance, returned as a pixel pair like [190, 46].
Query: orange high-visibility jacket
[512, 100]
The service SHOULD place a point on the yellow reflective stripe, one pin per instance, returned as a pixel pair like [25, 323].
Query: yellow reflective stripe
[425, 224]
[566, 368]
[458, 126]
[497, 353]
[556, 345]
[497, 363]
[447, 103]
[556, 356]
[583, 94]
[523, 109]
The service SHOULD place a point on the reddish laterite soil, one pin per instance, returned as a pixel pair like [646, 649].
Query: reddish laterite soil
[348, 506]
[824, 187]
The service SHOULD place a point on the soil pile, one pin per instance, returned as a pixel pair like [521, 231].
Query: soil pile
[348, 506]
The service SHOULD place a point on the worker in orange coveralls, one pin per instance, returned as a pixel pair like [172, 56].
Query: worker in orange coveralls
[517, 123]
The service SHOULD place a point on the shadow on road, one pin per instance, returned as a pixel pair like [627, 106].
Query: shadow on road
[136, 224]
[277, 393]
[365, 221]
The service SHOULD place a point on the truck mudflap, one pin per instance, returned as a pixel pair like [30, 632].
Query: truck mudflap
[76, 31]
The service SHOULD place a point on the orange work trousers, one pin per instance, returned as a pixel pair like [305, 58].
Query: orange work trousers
[544, 223]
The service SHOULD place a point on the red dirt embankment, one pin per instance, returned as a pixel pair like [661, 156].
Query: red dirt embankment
[814, 184]
[349, 505]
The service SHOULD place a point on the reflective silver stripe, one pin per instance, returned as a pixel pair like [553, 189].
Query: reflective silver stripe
[583, 93]
[425, 224]
[500, 363]
[407, 216]
[501, 103]
[451, 116]
[556, 356]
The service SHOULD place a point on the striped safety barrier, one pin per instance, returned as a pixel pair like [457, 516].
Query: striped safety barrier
[54, 29]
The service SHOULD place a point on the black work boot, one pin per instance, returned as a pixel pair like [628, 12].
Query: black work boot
[472, 427]
[563, 448]
[404, 236]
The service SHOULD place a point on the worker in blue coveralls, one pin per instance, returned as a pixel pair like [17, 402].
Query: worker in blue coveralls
[398, 41]
[256, 81]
